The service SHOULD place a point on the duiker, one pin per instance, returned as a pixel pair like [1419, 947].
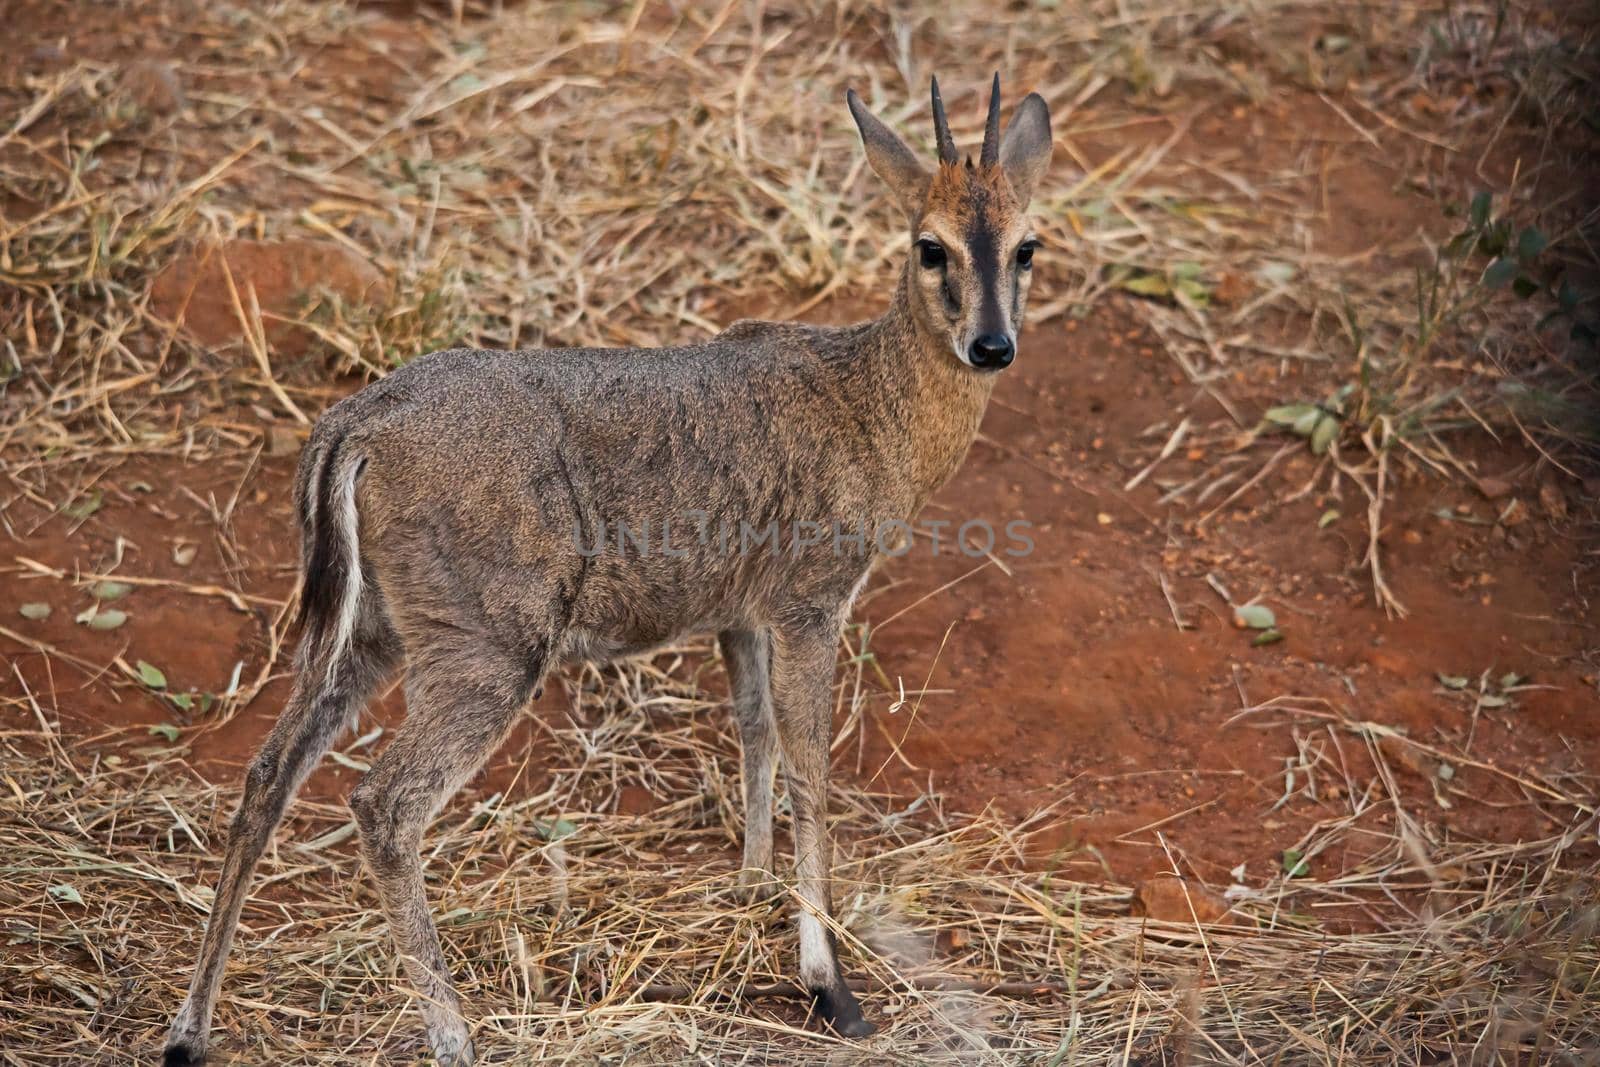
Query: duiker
[449, 515]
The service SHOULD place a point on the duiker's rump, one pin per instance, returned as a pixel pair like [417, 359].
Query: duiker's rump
[456, 517]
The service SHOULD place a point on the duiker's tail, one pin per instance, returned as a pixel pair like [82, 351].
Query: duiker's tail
[330, 590]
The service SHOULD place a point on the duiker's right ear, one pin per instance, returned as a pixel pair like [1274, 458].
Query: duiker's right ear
[890, 157]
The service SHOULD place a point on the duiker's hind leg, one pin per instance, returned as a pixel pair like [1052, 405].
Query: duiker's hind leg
[802, 684]
[322, 704]
[461, 701]
[747, 655]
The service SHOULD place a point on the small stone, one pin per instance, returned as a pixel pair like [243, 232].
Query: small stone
[1553, 501]
[1493, 488]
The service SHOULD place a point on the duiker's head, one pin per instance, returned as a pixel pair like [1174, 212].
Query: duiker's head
[972, 248]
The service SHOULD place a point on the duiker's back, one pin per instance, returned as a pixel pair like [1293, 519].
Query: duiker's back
[641, 488]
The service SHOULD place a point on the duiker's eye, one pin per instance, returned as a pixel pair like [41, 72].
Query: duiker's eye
[932, 253]
[1025, 254]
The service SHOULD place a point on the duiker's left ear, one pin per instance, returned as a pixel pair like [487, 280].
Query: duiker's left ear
[891, 158]
[1025, 149]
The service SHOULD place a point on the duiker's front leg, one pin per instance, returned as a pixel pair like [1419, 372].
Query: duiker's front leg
[747, 654]
[802, 684]
[459, 709]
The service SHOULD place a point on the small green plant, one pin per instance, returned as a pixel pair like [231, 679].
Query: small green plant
[1318, 423]
[1388, 403]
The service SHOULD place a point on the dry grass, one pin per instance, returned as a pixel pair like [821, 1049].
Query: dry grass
[567, 174]
[617, 940]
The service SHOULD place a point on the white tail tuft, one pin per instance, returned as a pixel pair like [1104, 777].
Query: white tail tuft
[344, 520]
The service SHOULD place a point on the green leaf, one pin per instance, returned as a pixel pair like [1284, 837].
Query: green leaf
[555, 831]
[109, 619]
[1197, 292]
[1288, 414]
[1146, 285]
[1500, 273]
[1329, 517]
[151, 675]
[34, 611]
[1524, 286]
[1295, 865]
[1446, 772]
[166, 730]
[1452, 681]
[66, 893]
[1324, 434]
[1266, 637]
[1255, 616]
[1511, 679]
[1306, 423]
[182, 701]
[1530, 243]
[1567, 297]
[85, 506]
[1479, 212]
[109, 590]
[1489, 700]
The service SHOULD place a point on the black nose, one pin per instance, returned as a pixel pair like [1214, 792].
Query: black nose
[992, 351]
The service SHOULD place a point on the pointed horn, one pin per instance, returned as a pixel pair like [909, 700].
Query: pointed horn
[991, 131]
[941, 128]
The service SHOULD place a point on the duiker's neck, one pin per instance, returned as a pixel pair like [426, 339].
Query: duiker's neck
[936, 400]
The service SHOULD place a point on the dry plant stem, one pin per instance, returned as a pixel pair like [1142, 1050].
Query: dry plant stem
[1376, 492]
[239, 601]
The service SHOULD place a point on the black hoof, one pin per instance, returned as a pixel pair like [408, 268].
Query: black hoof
[181, 1055]
[839, 1009]
[855, 1029]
